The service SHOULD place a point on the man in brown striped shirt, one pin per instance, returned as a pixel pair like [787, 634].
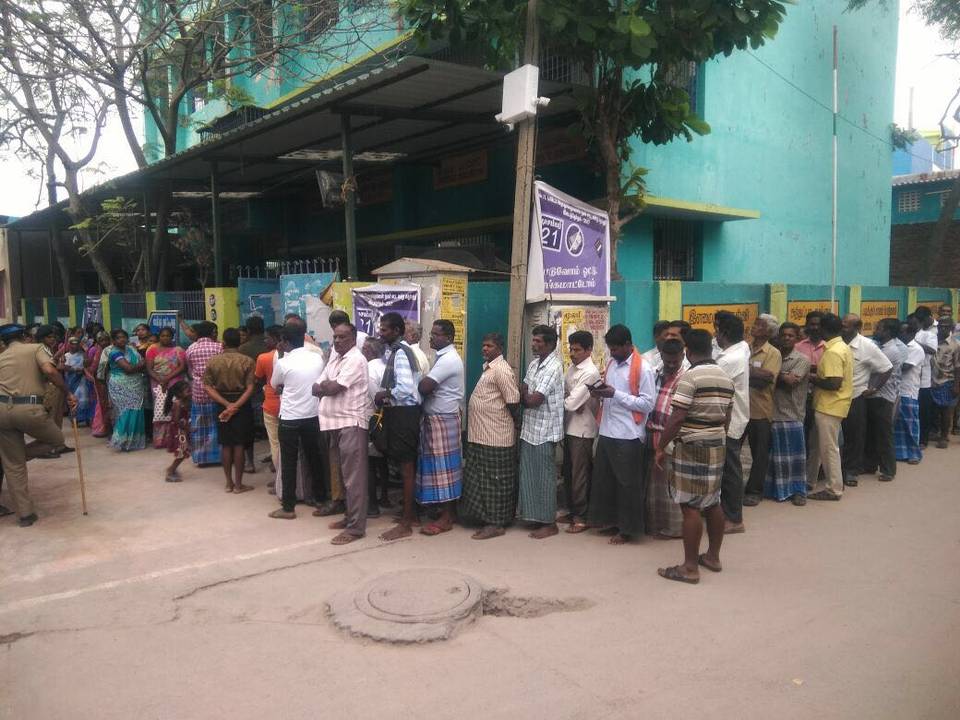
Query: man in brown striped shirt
[697, 427]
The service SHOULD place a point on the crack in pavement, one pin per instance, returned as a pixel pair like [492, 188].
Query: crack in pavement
[268, 571]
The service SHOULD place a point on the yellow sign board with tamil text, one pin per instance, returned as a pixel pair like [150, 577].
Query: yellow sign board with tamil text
[797, 310]
[872, 311]
[701, 316]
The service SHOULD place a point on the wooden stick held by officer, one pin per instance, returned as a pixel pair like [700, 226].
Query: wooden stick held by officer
[24, 368]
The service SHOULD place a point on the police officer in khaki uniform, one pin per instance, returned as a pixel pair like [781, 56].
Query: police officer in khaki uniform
[23, 368]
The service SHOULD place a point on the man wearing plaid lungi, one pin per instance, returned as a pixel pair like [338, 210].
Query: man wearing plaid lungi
[906, 429]
[439, 478]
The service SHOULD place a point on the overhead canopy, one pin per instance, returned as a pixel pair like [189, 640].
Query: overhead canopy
[412, 108]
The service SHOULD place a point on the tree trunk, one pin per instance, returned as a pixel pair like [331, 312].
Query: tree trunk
[938, 240]
[62, 265]
[162, 200]
[607, 145]
[77, 214]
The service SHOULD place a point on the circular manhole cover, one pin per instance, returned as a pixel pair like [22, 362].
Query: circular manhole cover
[409, 605]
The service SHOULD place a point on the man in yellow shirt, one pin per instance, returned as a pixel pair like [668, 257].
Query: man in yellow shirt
[832, 395]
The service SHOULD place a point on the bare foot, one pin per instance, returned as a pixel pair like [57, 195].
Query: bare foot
[619, 539]
[545, 531]
[730, 528]
[344, 539]
[400, 530]
[338, 525]
[228, 488]
[241, 488]
[487, 532]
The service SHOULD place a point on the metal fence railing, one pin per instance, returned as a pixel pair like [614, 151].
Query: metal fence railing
[276, 268]
[133, 305]
[188, 302]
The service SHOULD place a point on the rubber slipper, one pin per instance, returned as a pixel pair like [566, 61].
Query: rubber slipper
[673, 573]
[434, 529]
[703, 562]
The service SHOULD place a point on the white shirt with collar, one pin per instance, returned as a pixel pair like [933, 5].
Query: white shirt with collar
[927, 338]
[617, 420]
[652, 358]
[447, 372]
[579, 409]
[293, 377]
[735, 361]
[910, 377]
[868, 359]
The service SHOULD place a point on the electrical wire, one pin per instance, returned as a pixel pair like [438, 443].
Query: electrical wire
[829, 109]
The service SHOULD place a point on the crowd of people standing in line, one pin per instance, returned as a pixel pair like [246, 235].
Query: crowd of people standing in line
[651, 443]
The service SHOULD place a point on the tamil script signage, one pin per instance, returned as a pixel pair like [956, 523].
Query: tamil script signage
[569, 249]
[701, 316]
[372, 302]
[872, 311]
[797, 309]
[160, 319]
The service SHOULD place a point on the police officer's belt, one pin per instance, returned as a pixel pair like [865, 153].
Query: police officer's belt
[23, 400]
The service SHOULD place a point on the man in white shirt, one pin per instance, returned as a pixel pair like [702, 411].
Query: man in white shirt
[628, 392]
[580, 428]
[411, 337]
[734, 360]
[878, 451]
[440, 460]
[871, 368]
[927, 339]
[378, 472]
[293, 377]
[906, 429]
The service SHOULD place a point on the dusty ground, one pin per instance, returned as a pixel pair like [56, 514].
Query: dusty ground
[178, 601]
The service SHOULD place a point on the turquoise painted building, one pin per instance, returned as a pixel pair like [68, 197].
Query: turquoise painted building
[748, 203]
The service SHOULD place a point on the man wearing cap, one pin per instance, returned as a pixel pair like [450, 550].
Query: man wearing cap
[23, 368]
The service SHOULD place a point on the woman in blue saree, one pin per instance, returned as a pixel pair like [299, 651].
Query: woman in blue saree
[126, 390]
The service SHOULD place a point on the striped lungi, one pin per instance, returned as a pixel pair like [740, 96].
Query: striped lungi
[204, 435]
[697, 467]
[906, 430]
[489, 484]
[538, 482]
[663, 514]
[440, 459]
[787, 472]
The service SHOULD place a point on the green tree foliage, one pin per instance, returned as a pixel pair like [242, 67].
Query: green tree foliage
[635, 48]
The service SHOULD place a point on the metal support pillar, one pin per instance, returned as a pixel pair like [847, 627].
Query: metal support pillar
[215, 225]
[349, 197]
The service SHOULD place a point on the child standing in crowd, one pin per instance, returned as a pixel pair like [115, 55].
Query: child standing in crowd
[177, 408]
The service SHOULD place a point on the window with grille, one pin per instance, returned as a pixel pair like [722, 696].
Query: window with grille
[676, 247]
[686, 75]
[909, 201]
[557, 66]
[317, 17]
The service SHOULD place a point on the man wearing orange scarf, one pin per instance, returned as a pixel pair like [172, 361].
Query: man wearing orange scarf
[628, 391]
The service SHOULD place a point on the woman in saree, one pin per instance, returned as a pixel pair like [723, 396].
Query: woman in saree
[75, 374]
[100, 425]
[166, 365]
[126, 391]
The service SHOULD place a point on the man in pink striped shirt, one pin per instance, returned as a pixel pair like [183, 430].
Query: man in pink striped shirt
[342, 389]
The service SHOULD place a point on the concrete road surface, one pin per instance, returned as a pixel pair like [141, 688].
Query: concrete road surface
[179, 601]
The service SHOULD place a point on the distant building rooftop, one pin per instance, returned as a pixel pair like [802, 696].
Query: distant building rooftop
[925, 178]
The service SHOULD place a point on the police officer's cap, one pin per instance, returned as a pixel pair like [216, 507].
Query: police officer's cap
[11, 329]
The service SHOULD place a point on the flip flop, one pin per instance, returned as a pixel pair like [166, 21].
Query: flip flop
[703, 562]
[242, 489]
[673, 573]
[344, 539]
[434, 529]
[577, 527]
